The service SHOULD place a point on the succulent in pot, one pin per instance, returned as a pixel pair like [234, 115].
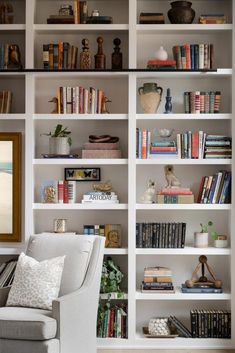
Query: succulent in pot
[59, 140]
[220, 241]
[201, 238]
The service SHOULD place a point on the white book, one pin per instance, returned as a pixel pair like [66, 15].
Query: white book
[65, 100]
[201, 56]
[217, 187]
[100, 201]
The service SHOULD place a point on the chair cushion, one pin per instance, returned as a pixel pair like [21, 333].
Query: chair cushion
[16, 346]
[26, 324]
[36, 284]
[76, 248]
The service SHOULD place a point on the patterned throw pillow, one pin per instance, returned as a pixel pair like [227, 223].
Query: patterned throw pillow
[36, 284]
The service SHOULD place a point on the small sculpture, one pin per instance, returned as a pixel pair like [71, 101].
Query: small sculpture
[100, 57]
[149, 193]
[6, 13]
[55, 101]
[161, 54]
[117, 55]
[103, 187]
[172, 180]
[85, 56]
[168, 105]
[203, 280]
[14, 61]
[104, 109]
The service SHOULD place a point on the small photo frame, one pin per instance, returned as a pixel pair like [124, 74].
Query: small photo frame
[82, 174]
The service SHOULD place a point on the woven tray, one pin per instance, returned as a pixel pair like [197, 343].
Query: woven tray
[147, 334]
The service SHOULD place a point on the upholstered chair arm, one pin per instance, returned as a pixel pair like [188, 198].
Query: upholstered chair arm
[76, 313]
[4, 295]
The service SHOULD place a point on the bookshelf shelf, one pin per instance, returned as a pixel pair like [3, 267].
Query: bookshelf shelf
[187, 251]
[181, 296]
[81, 28]
[104, 343]
[77, 161]
[194, 206]
[79, 206]
[224, 116]
[12, 116]
[12, 27]
[222, 73]
[176, 161]
[113, 251]
[182, 29]
[78, 117]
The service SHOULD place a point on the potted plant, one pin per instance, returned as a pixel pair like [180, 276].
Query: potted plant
[220, 241]
[59, 141]
[111, 278]
[201, 238]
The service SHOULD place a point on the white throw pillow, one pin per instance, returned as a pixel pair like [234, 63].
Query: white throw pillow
[36, 284]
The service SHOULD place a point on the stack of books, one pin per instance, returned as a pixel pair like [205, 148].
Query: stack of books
[7, 270]
[100, 197]
[80, 100]
[157, 280]
[160, 235]
[111, 232]
[58, 56]
[215, 188]
[163, 148]
[143, 143]
[151, 18]
[202, 102]
[175, 195]
[155, 64]
[58, 191]
[5, 102]
[212, 19]
[218, 146]
[210, 323]
[112, 321]
[194, 56]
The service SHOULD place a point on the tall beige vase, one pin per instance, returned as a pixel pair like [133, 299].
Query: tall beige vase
[150, 97]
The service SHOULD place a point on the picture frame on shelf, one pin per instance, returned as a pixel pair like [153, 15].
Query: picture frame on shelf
[82, 174]
[10, 186]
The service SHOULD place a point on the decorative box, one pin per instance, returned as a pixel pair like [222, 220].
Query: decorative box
[101, 154]
[101, 146]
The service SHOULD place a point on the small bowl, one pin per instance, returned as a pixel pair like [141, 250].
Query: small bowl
[165, 132]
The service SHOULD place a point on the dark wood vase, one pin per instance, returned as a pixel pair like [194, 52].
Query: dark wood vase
[181, 12]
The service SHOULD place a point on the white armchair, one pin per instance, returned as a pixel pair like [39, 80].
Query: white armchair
[71, 325]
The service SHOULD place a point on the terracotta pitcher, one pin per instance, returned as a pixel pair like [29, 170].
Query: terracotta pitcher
[150, 97]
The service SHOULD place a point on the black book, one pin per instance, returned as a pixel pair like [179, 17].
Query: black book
[183, 331]
[154, 235]
[137, 235]
[179, 244]
[160, 236]
[193, 323]
[183, 235]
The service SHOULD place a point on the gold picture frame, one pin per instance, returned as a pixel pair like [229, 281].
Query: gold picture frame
[10, 186]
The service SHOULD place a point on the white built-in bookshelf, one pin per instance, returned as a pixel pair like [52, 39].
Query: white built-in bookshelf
[31, 114]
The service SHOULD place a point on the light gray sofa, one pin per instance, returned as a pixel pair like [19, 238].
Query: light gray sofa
[71, 325]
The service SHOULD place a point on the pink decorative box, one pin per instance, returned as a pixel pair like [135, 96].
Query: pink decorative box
[101, 154]
[101, 146]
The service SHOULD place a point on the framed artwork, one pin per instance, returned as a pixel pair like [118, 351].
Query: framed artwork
[10, 186]
[82, 174]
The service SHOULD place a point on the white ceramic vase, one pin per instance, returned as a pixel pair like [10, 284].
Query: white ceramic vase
[59, 145]
[161, 54]
[200, 240]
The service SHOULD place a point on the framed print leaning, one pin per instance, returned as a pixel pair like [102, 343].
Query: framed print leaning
[10, 186]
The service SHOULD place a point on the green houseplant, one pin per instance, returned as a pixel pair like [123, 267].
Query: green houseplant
[111, 278]
[59, 140]
[201, 238]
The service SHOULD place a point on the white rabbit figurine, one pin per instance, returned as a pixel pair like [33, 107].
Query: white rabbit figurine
[149, 194]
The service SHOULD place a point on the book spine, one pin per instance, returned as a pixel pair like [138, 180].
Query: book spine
[188, 57]
[201, 56]
[197, 102]
[196, 56]
[60, 55]
[55, 56]
[202, 102]
[217, 102]
[71, 191]
[46, 56]
[212, 102]
[60, 191]
[187, 102]
[192, 56]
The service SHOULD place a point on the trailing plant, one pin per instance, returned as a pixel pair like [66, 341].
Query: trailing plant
[111, 277]
[60, 131]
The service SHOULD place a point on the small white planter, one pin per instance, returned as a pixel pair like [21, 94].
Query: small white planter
[201, 240]
[59, 145]
[219, 243]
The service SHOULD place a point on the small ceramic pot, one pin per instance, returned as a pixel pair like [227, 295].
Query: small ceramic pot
[59, 145]
[181, 12]
[219, 243]
[201, 240]
[161, 54]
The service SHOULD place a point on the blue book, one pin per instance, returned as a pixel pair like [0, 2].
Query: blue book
[196, 289]
[213, 185]
[192, 56]
[226, 189]
[196, 56]
[1, 56]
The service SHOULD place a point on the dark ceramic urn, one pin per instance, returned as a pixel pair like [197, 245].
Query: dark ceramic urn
[181, 12]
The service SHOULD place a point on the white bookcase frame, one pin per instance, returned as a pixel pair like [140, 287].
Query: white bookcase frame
[139, 305]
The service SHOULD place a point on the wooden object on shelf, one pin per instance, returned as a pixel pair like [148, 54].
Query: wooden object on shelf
[85, 55]
[100, 56]
[6, 12]
[117, 55]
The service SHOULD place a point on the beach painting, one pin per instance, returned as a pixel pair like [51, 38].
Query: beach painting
[10, 186]
[6, 187]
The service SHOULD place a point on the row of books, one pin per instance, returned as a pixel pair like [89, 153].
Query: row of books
[176, 195]
[7, 270]
[100, 197]
[194, 56]
[59, 56]
[200, 145]
[58, 191]
[160, 235]
[80, 100]
[143, 142]
[112, 321]
[5, 102]
[111, 232]
[157, 279]
[197, 102]
[210, 323]
[215, 189]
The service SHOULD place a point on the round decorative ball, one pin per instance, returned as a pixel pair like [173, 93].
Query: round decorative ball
[218, 283]
[189, 283]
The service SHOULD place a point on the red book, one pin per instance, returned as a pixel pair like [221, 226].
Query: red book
[161, 62]
[200, 190]
[81, 111]
[60, 191]
[163, 149]
[176, 191]
[188, 57]
[144, 144]
[65, 194]
[195, 145]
